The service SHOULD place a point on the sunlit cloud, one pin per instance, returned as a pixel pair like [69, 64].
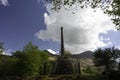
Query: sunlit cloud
[82, 28]
[4, 2]
[118, 47]
[7, 52]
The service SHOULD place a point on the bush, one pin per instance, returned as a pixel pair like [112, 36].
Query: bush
[88, 70]
[66, 78]
[114, 75]
[93, 77]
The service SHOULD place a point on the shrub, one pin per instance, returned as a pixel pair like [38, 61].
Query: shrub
[88, 70]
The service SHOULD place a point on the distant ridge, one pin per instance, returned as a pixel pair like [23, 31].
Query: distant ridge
[86, 58]
[84, 55]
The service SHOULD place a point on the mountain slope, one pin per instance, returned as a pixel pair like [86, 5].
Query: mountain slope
[85, 58]
[84, 55]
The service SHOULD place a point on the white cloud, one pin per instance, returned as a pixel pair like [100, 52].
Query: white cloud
[7, 52]
[51, 51]
[81, 28]
[4, 2]
[38, 1]
[118, 47]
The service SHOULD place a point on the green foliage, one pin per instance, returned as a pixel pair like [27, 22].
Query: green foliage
[60, 77]
[30, 61]
[1, 47]
[7, 66]
[75, 77]
[66, 78]
[30, 48]
[67, 54]
[115, 13]
[88, 70]
[93, 77]
[28, 65]
[57, 4]
[106, 57]
[119, 67]
[24, 64]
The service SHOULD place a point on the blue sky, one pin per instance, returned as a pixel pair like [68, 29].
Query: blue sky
[19, 21]
[22, 21]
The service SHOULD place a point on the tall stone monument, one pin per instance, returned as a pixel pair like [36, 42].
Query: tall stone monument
[62, 43]
[63, 64]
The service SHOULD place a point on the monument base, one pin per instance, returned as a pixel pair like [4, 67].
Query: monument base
[63, 66]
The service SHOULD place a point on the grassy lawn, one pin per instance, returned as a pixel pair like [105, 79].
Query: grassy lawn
[93, 77]
[84, 76]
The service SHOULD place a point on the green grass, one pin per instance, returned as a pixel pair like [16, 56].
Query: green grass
[93, 77]
[84, 76]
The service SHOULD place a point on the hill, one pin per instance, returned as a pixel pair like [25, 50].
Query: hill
[85, 58]
[84, 55]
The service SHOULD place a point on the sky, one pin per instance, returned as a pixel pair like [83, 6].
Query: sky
[19, 21]
[22, 21]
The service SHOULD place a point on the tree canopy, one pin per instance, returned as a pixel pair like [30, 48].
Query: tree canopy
[30, 60]
[57, 4]
[1, 47]
[115, 13]
[106, 57]
[24, 64]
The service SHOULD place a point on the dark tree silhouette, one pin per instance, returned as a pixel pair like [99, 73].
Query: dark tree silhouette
[1, 47]
[106, 57]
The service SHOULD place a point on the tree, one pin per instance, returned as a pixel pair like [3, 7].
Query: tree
[28, 48]
[57, 4]
[27, 65]
[24, 64]
[1, 47]
[110, 7]
[106, 57]
[7, 66]
[115, 13]
[30, 61]
[67, 54]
